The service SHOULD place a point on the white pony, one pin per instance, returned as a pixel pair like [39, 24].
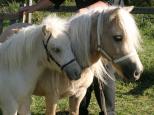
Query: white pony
[26, 55]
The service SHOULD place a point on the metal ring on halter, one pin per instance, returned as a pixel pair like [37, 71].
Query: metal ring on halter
[49, 56]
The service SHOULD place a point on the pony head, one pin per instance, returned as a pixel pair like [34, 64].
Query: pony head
[58, 46]
[108, 32]
[118, 39]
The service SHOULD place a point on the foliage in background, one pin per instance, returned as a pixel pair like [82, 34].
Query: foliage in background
[11, 7]
[141, 2]
[128, 2]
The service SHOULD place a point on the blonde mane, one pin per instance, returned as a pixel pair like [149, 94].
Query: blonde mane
[127, 22]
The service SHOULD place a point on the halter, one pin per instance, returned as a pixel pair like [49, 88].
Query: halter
[101, 49]
[49, 55]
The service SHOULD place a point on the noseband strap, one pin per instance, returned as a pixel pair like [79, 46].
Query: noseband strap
[49, 55]
[124, 57]
[71, 61]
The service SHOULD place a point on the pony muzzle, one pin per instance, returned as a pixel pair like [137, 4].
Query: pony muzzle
[129, 65]
[73, 70]
[131, 70]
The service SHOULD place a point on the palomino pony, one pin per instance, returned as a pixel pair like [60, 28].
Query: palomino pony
[26, 55]
[110, 33]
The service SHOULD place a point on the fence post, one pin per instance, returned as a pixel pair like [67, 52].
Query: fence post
[1, 25]
[24, 15]
[30, 14]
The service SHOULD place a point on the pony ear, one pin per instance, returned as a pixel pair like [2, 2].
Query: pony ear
[128, 8]
[114, 12]
[45, 30]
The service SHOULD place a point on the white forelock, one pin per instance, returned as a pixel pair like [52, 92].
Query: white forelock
[55, 24]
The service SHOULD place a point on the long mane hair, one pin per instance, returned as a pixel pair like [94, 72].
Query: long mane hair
[20, 47]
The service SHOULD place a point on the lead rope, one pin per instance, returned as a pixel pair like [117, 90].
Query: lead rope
[102, 98]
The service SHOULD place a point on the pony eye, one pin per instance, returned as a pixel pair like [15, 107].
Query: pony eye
[117, 38]
[56, 50]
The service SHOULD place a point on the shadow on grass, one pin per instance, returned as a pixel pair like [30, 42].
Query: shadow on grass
[146, 81]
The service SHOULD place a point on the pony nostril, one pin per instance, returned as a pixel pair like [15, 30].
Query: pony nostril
[137, 74]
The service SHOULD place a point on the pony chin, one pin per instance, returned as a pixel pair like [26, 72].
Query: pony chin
[119, 72]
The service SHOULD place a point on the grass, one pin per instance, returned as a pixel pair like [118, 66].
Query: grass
[136, 98]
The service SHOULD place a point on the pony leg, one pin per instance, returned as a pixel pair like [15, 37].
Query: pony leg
[50, 106]
[25, 107]
[9, 108]
[74, 103]
[109, 93]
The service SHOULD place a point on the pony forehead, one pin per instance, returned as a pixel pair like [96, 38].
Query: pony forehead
[127, 22]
